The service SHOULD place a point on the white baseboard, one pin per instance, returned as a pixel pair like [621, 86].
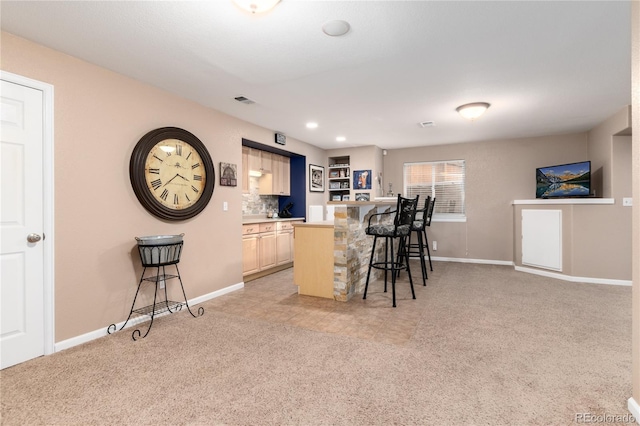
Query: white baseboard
[572, 278]
[465, 260]
[536, 271]
[634, 408]
[92, 335]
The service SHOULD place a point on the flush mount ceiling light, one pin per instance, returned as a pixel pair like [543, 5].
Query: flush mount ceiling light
[312, 125]
[340, 139]
[473, 110]
[256, 6]
[336, 28]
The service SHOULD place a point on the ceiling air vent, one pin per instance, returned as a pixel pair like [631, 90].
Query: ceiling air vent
[427, 124]
[244, 100]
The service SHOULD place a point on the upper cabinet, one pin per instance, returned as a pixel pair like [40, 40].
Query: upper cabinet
[245, 169]
[278, 182]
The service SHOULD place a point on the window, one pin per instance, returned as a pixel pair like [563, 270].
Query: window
[443, 180]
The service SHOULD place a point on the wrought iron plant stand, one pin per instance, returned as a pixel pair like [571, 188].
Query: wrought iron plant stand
[158, 252]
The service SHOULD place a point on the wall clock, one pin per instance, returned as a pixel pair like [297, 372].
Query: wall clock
[172, 173]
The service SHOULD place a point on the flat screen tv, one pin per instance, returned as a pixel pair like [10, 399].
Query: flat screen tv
[564, 180]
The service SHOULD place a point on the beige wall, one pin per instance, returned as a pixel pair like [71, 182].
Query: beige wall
[600, 150]
[635, 103]
[99, 117]
[497, 172]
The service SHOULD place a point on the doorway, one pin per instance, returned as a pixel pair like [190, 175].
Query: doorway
[27, 326]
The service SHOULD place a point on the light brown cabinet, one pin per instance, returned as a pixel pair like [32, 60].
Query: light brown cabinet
[278, 182]
[266, 245]
[245, 170]
[267, 255]
[250, 249]
[284, 242]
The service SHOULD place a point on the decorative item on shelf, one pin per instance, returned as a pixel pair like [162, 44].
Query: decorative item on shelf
[390, 193]
[336, 198]
[345, 197]
[334, 185]
[316, 178]
[228, 174]
[362, 196]
[334, 174]
[362, 179]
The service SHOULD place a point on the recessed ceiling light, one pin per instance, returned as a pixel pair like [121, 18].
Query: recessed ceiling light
[256, 6]
[312, 125]
[340, 139]
[336, 28]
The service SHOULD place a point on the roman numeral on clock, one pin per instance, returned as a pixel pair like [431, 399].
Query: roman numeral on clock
[164, 194]
[155, 184]
[189, 155]
[187, 197]
[179, 149]
[175, 198]
[197, 177]
[194, 189]
[154, 171]
[195, 166]
[157, 158]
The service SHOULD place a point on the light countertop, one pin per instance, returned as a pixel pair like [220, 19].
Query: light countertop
[248, 220]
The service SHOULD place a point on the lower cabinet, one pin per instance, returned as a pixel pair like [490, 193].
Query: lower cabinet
[266, 245]
[250, 249]
[267, 253]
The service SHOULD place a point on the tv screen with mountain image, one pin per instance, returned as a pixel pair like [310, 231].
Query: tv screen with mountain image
[564, 180]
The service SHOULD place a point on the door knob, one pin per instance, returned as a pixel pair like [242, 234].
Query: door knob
[33, 238]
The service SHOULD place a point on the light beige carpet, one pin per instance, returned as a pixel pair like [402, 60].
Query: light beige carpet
[492, 346]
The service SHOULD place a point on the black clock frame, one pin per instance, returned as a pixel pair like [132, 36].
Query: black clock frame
[138, 179]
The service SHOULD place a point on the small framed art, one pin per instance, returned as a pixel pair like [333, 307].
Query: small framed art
[316, 178]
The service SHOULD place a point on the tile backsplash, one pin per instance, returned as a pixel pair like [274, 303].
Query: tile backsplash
[255, 204]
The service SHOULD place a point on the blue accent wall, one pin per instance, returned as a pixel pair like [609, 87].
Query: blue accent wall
[298, 169]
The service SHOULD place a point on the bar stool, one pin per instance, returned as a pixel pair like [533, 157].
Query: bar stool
[399, 230]
[417, 249]
[427, 222]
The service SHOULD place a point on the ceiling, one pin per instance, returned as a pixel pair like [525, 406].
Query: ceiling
[545, 67]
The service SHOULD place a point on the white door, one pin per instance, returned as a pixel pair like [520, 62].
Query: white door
[21, 220]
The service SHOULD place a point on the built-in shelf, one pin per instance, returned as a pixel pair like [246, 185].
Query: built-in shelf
[552, 201]
[339, 179]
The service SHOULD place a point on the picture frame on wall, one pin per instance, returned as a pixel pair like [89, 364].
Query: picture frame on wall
[228, 174]
[316, 178]
[362, 179]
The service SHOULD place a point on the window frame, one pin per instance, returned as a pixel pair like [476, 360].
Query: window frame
[440, 217]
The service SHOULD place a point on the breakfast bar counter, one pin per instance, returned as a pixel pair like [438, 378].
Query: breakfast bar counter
[332, 257]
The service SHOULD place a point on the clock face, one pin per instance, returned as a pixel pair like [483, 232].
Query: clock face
[172, 173]
[175, 174]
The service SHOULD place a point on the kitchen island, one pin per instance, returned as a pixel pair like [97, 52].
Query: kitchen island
[332, 257]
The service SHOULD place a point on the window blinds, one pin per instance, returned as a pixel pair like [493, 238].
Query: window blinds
[443, 180]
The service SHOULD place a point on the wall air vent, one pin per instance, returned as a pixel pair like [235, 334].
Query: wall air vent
[427, 124]
[244, 100]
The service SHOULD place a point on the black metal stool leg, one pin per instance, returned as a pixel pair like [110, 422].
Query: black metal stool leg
[393, 276]
[423, 264]
[426, 241]
[406, 256]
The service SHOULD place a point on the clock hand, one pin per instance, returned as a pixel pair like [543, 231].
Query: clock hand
[171, 179]
[183, 177]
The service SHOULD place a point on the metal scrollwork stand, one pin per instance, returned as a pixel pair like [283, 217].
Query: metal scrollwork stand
[158, 256]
